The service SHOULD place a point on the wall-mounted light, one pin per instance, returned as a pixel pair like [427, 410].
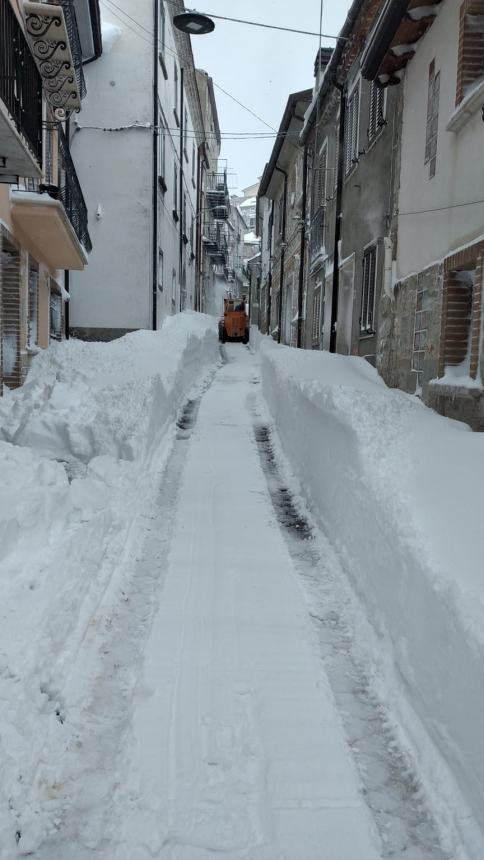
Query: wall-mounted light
[193, 23]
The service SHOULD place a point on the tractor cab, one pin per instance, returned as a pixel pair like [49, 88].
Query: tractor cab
[234, 324]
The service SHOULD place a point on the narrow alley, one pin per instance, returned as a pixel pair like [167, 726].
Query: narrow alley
[252, 732]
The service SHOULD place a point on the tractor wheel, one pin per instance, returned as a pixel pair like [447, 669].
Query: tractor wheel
[224, 335]
[245, 338]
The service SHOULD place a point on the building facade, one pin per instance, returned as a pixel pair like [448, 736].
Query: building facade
[142, 150]
[44, 233]
[430, 337]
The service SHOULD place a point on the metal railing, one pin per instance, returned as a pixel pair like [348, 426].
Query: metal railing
[20, 82]
[61, 182]
[316, 243]
[217, 183]
[75, 42]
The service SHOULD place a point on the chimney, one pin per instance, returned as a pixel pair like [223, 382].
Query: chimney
[322, 59]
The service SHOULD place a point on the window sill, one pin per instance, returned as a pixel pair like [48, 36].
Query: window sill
[455, 389]
[366, 335]
[162, 183]
[467, 108]
[163, 65]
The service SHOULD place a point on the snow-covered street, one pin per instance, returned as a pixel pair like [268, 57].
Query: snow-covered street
[214, 688]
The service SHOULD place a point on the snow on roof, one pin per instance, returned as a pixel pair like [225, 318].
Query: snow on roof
[251, 201]
[251, 237]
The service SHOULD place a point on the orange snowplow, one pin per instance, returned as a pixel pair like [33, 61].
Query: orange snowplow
[234, 325]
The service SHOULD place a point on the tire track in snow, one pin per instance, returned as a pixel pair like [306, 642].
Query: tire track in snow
[389, 780]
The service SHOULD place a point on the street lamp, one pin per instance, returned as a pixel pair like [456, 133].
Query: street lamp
[193, 23]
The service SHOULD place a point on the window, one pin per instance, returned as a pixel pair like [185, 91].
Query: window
[432, 119]
[319, 181]
[175, 83]
[459, 295]
[368, 291]
[162, 27]
[173, 290]
[33, 301]
[470, 67]
[160, 270]
[377, 110]
[185, 133]
[161, 150]
[280, 215]
[351, 135]
[175, 192]
[316, 332]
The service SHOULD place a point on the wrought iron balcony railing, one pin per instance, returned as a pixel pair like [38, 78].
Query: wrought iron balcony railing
[61, 182]
[316, 243]
[20, 82]
[53, 35]
[218, 195]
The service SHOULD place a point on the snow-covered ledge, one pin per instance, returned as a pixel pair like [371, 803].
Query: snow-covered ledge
[467, 108]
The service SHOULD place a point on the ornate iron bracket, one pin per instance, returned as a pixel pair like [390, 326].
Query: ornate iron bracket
[47, 33]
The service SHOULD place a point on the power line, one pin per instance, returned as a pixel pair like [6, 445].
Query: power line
[441, 208]
[256, 23]
[111, 4]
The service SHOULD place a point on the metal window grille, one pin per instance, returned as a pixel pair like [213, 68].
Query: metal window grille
[432, 119]
[351, 139]
[317, 313]
[10, 311]
[377, 108]
[368, 291]
[419, 337]
[55, 314]
[319, 182]
[33, 301]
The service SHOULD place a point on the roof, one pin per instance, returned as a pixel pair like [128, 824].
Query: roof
[289, 115]
[392, 41]
[251, 201]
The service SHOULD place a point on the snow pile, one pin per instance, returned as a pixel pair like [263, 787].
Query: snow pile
[399, 490]
[82, 447]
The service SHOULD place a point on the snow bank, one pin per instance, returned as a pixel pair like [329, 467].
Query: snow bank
[82, 446]
[399, 490]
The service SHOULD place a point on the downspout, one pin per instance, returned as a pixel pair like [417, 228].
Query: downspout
[180, 250]
[283, 250]
[154, 239]
[198, 225]
[269, 279]
[302, 258]
[66, 271]
[337, 231]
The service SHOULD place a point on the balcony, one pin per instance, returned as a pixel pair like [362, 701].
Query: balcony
[53, 216]
[215, 241]
[20, 102]
[217, 194]
[316, 244]
[53, 36]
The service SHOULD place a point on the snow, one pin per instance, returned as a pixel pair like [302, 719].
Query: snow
[110, 35]
[177, 679]
[82, 444]
[399, 490]
[9, 353]
[251, 237]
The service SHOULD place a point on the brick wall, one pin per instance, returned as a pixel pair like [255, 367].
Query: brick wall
[461, 309]
[471, 46]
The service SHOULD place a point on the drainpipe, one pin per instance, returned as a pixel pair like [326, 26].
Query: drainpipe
[283, 250]
[337, 232]
[198, 228]
[180, 262]
[302, 259]
[269, 279]
[154, 240]
[66, 305]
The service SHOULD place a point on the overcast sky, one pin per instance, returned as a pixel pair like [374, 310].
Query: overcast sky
[260, 68]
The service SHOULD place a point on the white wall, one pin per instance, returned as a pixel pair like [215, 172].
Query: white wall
[115, 171]
[425, 238]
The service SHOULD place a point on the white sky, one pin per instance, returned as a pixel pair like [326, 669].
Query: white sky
[260, 68]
